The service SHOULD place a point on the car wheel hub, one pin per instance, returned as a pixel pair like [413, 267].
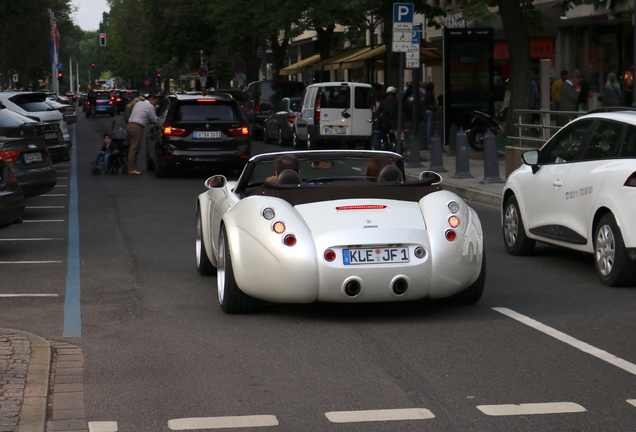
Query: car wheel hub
[220, 269]
[511, 225]
[605, 250]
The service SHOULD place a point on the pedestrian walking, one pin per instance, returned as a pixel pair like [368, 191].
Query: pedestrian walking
[142, 114]
[569, 92]
[556, 93]
[612, 92]
[431, 107]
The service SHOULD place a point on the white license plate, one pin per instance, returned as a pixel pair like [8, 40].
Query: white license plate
[101, 109]
[212, 135]
[50, 135]
[335, 130]
[376, 256]
[32, 157]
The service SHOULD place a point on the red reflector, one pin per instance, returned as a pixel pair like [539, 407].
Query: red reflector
[34, 118]
[361, 207]
[329, 255]
[291, 119]
[257, 110]
[290, 240]
[9, 155]
[169, 130]
[12, 178]
[631, 180]
[239, 131]
[451, 235]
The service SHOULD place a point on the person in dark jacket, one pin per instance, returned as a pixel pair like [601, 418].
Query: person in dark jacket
[108, 149]
[386, 116]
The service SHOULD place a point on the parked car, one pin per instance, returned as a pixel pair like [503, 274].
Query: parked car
[579, 192]
[196, 131]
[30, 162]
[34, 106]
[11, 197]
[334, 114]
[280, 125]
[328, 233]
[63, 105]
[15, 125]
[259, 100]
[123, 98]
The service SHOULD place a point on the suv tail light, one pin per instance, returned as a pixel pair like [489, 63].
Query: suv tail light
[317, 110]
[631, 180]
[239, 130]
[257, 110]
[12, 178]
[169, 130]
[291, 119]
[10, 155]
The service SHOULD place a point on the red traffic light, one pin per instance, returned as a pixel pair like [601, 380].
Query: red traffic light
[158, 74]
[92, 64]
[60, 74]
[102, 39]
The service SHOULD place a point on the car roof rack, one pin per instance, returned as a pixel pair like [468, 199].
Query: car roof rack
[611, 109]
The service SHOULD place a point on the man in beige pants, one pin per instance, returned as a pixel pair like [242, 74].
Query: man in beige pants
[142, 114]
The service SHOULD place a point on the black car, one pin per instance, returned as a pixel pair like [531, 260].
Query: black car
[280, 125]
[123, 98]
[261, 97]
[195, 131]
[30, 161]
[11, 197]
[50, 132]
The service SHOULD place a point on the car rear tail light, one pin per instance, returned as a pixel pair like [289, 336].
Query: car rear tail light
[46, 150]
[317, 110]
[206, 100]
[268, 213]
[279, 227]
[169, 130]
[257, 110]
[34, 118]
[118, 100]
[12, 178]
[239, 131]
[289, 240]
[10, 155]
[362, 207]
[451, 235]
[329, 255]
[110, 102]
[631, 180]
[291, 119]
[453, 221]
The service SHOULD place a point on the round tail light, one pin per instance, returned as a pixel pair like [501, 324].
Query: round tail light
[451, 235]
[329, 255]
[289, 240]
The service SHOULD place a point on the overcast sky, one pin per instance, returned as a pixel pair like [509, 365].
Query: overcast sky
[89, 13]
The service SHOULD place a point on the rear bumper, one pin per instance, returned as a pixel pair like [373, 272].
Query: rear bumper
[11, 206]
[326, 140]
[36, 181]
[191, 159]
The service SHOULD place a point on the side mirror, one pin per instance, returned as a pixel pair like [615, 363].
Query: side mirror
[215, 182]
[531, 157]
[431, 176]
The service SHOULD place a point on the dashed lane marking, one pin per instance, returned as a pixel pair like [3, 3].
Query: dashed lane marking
[102, 426]
[45, 207]
[531, 408]
[631, 401]
[33, 239]
[29, 295]
[42, 220]
[222, 422]
[379, 415]
[583, 346]
[30, 262]
[54, 195]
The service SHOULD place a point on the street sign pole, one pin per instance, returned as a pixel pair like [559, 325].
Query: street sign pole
[402, 43]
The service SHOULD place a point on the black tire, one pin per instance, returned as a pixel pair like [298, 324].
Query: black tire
[204, 265]
[231, 298]
[253, 131]
[610, 256]
[123, 169]
[476, 138]
[514, 234]
[281, 141]
[296, 144]
[472, 294]
[150, 164]
[310, 144]
[96, 170]
[161, 171]
[266, 138]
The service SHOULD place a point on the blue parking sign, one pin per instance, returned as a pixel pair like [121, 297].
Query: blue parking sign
[403, 12]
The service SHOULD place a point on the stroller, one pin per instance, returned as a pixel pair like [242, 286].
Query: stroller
[119, 161]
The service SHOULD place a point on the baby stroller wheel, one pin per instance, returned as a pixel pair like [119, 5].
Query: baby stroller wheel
[113, 171]
[124, 169]
[96, 170]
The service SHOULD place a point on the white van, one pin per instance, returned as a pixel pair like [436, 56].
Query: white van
[334, 114]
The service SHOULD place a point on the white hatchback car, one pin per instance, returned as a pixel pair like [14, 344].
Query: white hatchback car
[579, 191]
[34, 105]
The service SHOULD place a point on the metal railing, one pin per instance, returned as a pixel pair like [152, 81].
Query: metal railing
[527, 132]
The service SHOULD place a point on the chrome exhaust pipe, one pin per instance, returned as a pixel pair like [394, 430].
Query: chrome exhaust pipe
[400, 286]
[352, 288]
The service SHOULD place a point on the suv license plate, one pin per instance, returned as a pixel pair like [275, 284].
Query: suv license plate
[375, 256]
[212, 135]
[32, 157]
[335, 130]
[50, 135]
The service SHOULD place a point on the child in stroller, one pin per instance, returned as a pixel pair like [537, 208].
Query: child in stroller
[113, 154]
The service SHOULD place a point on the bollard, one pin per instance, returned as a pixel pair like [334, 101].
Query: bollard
[462, 167]
[413, 141]
[491, 163]
[452, 140]
[437, 160]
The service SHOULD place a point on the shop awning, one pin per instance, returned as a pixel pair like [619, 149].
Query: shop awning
[300, 66]
[334, 62]
[359, 60]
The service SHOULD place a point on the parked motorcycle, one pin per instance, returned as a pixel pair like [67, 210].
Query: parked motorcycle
[480, 124]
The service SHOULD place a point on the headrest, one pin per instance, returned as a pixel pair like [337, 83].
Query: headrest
[288, 177]
[390, 173]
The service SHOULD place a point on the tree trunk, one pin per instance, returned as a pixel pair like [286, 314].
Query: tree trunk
[518, 39]
[325, 37]
[278, 50]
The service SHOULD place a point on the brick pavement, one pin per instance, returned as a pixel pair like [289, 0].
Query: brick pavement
[15, 354]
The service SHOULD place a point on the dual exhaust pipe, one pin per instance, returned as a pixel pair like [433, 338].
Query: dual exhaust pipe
[353, 287]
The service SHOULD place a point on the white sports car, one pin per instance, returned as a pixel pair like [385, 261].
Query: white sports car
[337, 231]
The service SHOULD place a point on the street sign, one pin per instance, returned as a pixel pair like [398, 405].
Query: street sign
[15, 77]
[403, 13]
[412, 64]
[147, 82]
[203, 72]
[416, 36]
[402, 26]
[60, 66]
[239, 67]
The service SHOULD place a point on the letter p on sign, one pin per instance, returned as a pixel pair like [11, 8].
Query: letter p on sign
[403, 12]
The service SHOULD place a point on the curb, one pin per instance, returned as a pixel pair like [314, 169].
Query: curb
[467, 193]
[33, 412]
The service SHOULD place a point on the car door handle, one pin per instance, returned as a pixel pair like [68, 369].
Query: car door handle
[557, 183]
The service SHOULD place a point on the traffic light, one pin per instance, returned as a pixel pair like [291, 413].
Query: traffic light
[158, 74]
[102, 39]
[60, 75]
[93, 65]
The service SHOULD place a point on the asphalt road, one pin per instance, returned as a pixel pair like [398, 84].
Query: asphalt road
[548, 348]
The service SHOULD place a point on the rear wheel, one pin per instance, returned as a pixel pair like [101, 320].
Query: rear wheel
[231, 298]
[204, 265]
[472, 294]
[476, 138]
[266, 138]
[281, 140]
[514, 234]
[296, 144]
[161, 170]
[310, 143]
[610, 256]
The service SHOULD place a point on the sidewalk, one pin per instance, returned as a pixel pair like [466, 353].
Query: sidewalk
[27, 362]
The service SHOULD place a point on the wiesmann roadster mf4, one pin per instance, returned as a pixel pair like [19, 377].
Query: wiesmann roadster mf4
[340, 226]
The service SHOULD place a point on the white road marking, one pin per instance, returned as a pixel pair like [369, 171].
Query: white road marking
[531, 408]
[60, 185]
[102, 426]
[585, 347]
[30, 262]
[29, 295]
[62, 178]
[54, 195]
[32, 239]
[45, 207]
[631, 401]
[379, 415]
[222, 422]
[42, 220]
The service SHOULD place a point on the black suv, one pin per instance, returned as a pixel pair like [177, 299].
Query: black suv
[123, 98]
[259, 100]
[195, 131]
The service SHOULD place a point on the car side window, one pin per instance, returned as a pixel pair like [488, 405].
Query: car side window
[628, 147]
[566, 144]
[163, 111]
[604, 140]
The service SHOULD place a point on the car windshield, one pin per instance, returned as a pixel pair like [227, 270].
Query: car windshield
[336, 97]
[205, 111]
[32, 102]
[8, 119]
[102, 95]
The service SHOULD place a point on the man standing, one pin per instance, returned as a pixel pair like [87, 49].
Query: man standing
[569, 92]
[142, 114]
[556, 93]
